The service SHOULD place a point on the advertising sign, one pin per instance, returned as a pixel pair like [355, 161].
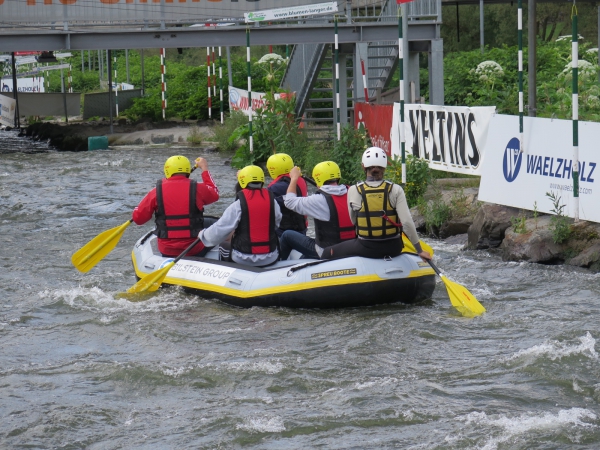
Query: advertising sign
[7, 111]
[115, 11]
[238, 100]
[23, 84]
[451, 138]
[377, 119]
[522, 179]
[291, 12]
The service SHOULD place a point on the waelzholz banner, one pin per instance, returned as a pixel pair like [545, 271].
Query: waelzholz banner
[291, 12]
[7, 111]
[377, 119]
[451, 138]
[522, 180]
[238, 100]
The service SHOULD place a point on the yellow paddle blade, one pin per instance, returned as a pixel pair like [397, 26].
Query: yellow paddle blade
[462, 299]
[152, 281]
[409, 247]
[92, 253]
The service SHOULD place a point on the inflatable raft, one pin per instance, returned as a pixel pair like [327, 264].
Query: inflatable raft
[297, 283]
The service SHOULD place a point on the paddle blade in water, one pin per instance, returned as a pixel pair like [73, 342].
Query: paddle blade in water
[462, 299]
[152, 281]
[94, 251]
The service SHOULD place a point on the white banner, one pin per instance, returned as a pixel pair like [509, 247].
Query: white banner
[451, 138]
[7, 111]
[291, 12]
[238, 100]
[522, 180]
[23, 84]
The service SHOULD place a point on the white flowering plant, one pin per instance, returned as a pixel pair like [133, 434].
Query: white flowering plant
[272, 63]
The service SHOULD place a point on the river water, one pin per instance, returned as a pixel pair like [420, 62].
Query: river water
[80, 368]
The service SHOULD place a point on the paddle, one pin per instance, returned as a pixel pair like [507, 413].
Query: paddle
[411, 248]
[460, 297]
[152, 281]
[91, 253]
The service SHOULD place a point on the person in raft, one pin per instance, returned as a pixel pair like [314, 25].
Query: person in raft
[380, 212]
[279, 166]
[252, 218]
[329, 208]
[177, 202]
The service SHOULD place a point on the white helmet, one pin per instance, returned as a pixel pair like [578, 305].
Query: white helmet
[374, 156]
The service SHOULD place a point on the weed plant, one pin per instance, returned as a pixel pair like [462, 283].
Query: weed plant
[559, 223]
[223, 133]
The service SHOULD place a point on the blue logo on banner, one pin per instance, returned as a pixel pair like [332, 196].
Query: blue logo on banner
[234, 97]
[512, 160]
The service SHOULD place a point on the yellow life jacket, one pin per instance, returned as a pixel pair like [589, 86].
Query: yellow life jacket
[377, 219]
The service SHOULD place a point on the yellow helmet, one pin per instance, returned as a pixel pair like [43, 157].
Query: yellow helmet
[325, 171]
[250, 174]
[177, 164]
[278, 164]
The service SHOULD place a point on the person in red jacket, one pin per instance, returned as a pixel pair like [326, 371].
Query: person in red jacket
[177, 202]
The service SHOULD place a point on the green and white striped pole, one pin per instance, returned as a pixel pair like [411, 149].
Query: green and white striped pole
[575, 64]
[401, 72]
[116, 88]
[337, 83]
[520, 55]
[221, 83]
[251, 112]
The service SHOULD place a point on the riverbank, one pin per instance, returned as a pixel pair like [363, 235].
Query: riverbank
[515, 234]
[74, 136]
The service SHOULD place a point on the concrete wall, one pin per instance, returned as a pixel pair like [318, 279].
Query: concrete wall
[97, 104]
[46, 104]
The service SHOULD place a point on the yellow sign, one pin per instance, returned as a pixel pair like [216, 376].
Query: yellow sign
[332, 273]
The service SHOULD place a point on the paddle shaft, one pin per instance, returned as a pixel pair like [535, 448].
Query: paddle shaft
[185, 252]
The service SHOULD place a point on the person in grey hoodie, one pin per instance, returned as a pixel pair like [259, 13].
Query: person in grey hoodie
[328, 207]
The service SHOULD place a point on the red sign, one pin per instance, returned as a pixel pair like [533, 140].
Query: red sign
[377, 119]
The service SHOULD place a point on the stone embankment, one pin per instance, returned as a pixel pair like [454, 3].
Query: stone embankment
[513, 233]
[74, 136]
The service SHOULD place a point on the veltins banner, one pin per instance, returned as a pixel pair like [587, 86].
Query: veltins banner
[522, 179]
[377, 119]
[7, 111]
[113, 11]
[451, 138]
[238, 100]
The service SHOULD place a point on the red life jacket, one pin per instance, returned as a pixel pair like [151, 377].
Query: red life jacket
[291, 220]
[255, 234]
[340, 227]
[178, 217]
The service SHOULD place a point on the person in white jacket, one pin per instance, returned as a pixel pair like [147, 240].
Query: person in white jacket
[252, 218]
[328, 207]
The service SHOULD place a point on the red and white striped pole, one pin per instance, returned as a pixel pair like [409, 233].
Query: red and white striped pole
[364, 78]
[214, 73]
[163, 82]
[208, 83]
[221, 84]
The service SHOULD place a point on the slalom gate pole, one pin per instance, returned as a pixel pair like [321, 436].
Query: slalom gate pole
[520, 57]
[337, 83]
[251, 111]
[70, 79]
[575, 64]
[364, 78]
[401, 89]
[221, 84]
[208, 82]
[163, 82]
[116, 87]
[214, 74]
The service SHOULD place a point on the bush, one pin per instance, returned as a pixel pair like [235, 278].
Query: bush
[559, 223]
[224, 132]
[418, 176]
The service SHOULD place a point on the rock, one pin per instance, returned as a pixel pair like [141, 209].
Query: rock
[455, 226]
[459, 239]
[211, 150]
[489, 226]
[590, 258]
[418, 219]
[122, 121]
[536, 245]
